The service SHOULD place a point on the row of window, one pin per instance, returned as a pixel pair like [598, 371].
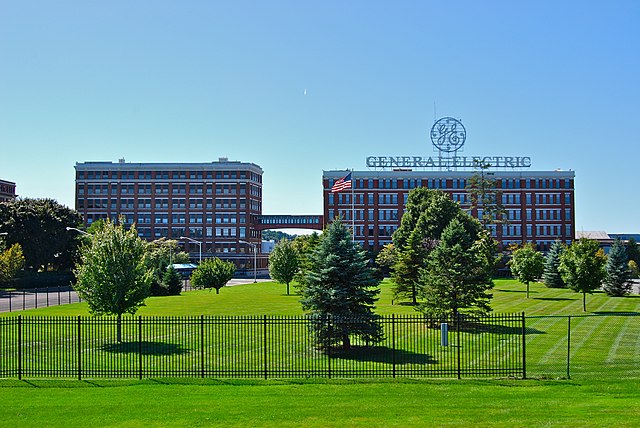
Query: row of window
[461, 198]
[166, 175]
[458, 183]
[166, 189]
[161, 203]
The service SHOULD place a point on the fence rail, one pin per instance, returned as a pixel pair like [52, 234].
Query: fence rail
[43, 297]
[259, 346]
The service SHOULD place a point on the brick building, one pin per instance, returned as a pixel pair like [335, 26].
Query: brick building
[539, 205]
[214, 204]
[7, 191]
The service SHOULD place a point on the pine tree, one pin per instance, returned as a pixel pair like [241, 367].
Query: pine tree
[428, 212]
[617, 279]
[171, 281]
[551, 275]
[457, 279]
[340, 291]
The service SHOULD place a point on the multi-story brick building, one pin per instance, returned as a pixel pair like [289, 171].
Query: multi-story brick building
[213, 204]
[539, 205]
[7, 191]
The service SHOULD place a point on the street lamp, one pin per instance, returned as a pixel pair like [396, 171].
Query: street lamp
[255, 259]
[195, 242]
[78, 230]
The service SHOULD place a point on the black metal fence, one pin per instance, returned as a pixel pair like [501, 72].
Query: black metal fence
[33, 298]
[43, 297]
[262, 346]
[599, 345]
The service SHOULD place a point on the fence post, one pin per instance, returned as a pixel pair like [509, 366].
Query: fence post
[524, 347]
[19, 347]
[265, 345]
[10, 299]
[458, 345]
[393, 343]
[23, 299]
[329, 347]
[140, 346]
[47, 296]
[201, 345]
[36, 297]
[569, 347]
[79, 351]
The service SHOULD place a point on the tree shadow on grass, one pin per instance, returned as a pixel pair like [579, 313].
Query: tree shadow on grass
[382, 354]
[555, 299]
[145, 348]
[617, 314]
[479, 328]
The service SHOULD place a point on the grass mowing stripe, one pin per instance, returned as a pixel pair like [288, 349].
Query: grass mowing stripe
[626, 332]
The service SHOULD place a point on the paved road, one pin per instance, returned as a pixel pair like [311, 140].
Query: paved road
[11, 301]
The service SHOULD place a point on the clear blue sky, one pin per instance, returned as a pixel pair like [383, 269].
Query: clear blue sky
[190, 81]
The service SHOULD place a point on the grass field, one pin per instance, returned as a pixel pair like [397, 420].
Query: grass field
[603, 342]
[392, 403]
[599, 339]
[269, 298]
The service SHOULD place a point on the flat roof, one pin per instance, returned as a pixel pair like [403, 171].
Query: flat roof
[220, 165]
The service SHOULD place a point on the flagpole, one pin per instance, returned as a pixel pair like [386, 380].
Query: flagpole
[353, 209]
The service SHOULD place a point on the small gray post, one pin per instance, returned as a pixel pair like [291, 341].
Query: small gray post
[444, 334]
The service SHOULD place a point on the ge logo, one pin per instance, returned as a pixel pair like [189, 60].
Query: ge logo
[448, 134]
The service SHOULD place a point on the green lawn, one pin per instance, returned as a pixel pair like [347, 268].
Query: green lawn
[269, 298]
[378, 403]
[600, 341]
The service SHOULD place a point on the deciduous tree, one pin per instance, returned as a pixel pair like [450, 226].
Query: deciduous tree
[111, 275]
[582, 267]
[11, 262]
[39, 226]
[340, 291]
[527, 264]
[284, 262]
[213, 273]
[160, 254]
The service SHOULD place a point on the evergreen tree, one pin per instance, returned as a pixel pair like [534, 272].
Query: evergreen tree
[428, 213]
[340, 291]
[171, 281]
[551, 275]
[617, 279]
[284, 262]
[527, 264]
[486, 199]
[457, 278]
[582, 267]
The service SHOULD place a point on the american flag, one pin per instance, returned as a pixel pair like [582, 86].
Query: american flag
[342, 184]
